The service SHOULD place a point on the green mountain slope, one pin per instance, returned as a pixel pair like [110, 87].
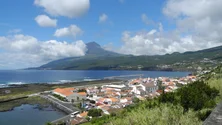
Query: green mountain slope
[94, 49]
[97, 58]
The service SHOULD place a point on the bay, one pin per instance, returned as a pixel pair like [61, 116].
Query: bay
[29, 115]
[56, 76]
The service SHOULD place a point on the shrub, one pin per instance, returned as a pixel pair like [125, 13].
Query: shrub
[95, 112]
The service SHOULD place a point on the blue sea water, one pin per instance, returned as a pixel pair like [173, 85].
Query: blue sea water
[59, 76]
[29, 115]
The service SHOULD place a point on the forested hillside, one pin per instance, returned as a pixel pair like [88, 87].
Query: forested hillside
[97, 58]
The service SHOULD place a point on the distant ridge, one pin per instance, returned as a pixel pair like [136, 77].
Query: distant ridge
[94, 51]
[97, 58]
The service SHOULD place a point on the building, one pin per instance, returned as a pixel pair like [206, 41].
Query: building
[64, 92]
[113, 87]
[150, 87]
[69, 94]
[77, 96]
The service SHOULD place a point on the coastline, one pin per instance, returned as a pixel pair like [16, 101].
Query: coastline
[60, 82]
[15, 98]
[9, 106]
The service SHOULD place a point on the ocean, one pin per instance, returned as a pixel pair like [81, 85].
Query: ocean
[8, 77]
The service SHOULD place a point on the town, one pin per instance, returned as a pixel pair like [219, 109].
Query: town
[83, 103]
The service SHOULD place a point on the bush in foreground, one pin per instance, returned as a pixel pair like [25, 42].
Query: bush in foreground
[163, 114]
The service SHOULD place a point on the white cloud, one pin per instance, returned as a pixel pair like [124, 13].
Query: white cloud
[198, 26]
[20, 51]
[45, 21]
[54, 49]
[146, 20]
[67, 8]
[109, 46]
[152, 32]
[71, 31]
[103, 18]
[160, 27]
[15, 31]
[202, 17]
[121, 1]
[153, 42]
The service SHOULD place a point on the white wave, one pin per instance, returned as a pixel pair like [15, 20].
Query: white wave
[54, 83]
[63, 81]
[16, 83]
[3, 85]
[76, 81]
[88, 80]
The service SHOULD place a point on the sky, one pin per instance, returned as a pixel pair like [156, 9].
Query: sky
[35, 32]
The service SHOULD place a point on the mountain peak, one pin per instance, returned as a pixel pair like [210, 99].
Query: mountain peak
[93, 45]
[95, 49]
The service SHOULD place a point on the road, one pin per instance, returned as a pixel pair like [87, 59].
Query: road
[67, 119]
[65, 106]
[68, 107]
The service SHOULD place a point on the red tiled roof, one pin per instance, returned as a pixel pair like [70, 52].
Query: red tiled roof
[84, 114]
[65, 91]
[82, 93]
[114, 99]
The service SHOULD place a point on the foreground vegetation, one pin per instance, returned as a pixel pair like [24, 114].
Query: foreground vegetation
[191, 104]
[214, 80]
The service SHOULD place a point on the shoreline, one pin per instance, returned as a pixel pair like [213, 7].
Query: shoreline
[61, 82]
[8, 101]
[74, 83]
[9, 106]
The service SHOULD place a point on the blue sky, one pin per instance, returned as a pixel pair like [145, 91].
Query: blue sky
[121, 17]
[43, 31]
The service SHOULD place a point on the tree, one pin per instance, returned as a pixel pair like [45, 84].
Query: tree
[99, 88]
[82, 90]
[136, 100]
[95, 112]
[79, 105]
[87, 118]
[168, 97]
[78, 98]
[48, 123]
[62, 123]
[197, 96]
[73, 101]
[83, 102]
[159, 84]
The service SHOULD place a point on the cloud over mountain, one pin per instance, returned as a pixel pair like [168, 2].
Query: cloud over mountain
[22, 47]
